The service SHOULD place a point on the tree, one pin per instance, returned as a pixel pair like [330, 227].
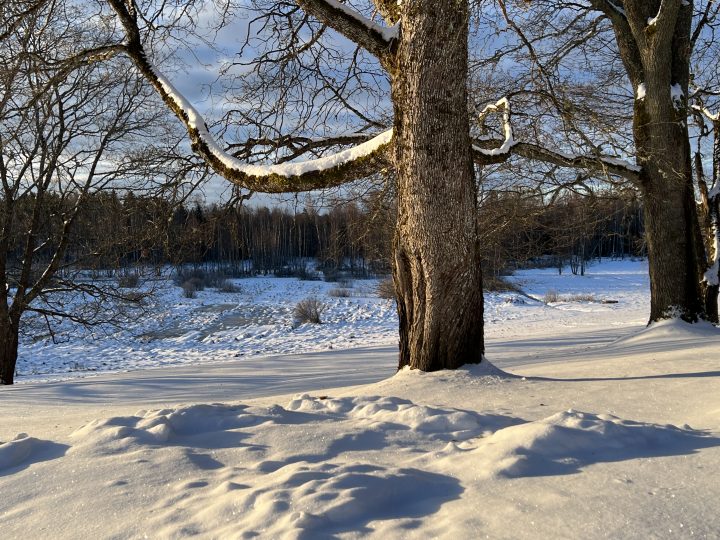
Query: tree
[582, 57]
[437, 257]
[423, 50]
[66, 118]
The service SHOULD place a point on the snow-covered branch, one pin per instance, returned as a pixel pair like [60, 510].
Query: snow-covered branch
[329, 171]
[297, 145]
[375, 38]
[295, 176]
[490, 150]
[504, 148]
[603, 164]
[706, 112]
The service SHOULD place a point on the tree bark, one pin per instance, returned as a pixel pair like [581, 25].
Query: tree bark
[437, 259]
[9, 331]
[657, 60]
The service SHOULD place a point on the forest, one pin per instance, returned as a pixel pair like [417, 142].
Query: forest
[124, 234]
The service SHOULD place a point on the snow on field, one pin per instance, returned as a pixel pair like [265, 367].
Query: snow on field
[258, 321]
[215, 327]
[621, 442]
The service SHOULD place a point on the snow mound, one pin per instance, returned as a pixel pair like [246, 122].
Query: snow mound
[16, 451]
[566, 441]
[24, 450]
[671, 330]
[392, 410]
[310, 501]
[158, 427]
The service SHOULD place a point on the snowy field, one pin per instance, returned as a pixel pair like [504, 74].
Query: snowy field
[588, 426]
[257, 321]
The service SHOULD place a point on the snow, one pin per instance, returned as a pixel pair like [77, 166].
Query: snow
[290, 169]
[677, 95]
[621, 163]
[712, 117]
[640, 92]
[257, 321]
[584, 423]
[388, 33]
[501, 105]
[712, 274]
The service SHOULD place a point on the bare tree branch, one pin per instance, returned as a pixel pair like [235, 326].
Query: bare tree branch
[376, 39]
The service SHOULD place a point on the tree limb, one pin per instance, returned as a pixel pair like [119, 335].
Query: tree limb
[330, 171]
[376, 39]
[601, 164]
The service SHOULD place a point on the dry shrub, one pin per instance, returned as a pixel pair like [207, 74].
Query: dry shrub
[339, 293]
[129, 281]
[227, 286]
[551, 296]
[309, 310]
[189, 289]
[386, 289]
[582, 298]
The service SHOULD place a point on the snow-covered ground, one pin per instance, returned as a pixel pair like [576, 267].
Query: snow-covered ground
[258, 321]
[595, 428]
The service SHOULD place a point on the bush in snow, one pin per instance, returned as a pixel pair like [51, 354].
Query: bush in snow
[582, 298]
[189, 289]
[551, 296]
[309, 311]
[228, 286]
[386, 289]
[129, 281]
[339, 293]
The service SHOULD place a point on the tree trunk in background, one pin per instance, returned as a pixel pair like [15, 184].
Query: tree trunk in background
[657, 60]
[437, 260]
[9, 330]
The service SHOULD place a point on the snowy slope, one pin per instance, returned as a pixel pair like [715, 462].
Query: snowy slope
[621, 442]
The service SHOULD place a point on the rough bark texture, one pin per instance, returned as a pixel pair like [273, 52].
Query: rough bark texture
[658, 57]
[8, 350]
[709, 210]
[437, 262]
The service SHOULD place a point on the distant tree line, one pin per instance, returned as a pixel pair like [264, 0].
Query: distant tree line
[118, 232]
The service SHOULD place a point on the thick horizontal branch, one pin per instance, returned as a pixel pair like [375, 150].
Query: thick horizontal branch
[602, 164]
[330, 171]
[376, 39]
[297, 145]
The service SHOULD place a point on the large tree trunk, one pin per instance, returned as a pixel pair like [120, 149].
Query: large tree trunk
[672, 229]
[9, 330]
[437, 262]
[709, 216]
[657, 59]
[674, 251]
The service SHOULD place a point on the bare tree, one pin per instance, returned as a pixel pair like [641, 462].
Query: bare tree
[581, 57]
[66, 119]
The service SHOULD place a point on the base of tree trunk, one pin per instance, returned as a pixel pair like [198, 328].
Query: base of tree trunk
[441, 314]
[8, 354]
[711, 303]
